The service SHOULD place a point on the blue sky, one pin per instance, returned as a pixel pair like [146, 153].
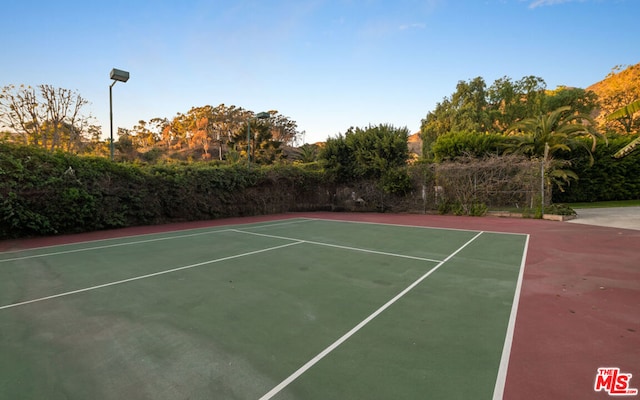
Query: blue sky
[327, 64]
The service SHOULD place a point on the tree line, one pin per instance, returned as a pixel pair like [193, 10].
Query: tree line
[213, 133]
[52, 118]
[509, 116]
[524, 117]
[476, 108]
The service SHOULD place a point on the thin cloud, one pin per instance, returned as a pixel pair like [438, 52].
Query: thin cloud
[405, 27]
[542, 3]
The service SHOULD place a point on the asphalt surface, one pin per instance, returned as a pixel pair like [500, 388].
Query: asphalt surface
[619, 217]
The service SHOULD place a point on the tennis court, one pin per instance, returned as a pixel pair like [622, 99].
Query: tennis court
[297, 308]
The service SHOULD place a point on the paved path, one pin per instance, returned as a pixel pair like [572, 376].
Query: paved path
[619, 217]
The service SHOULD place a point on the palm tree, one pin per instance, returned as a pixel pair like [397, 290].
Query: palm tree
[559, 130]
[626, 112]
[307, 153]
[545, 135]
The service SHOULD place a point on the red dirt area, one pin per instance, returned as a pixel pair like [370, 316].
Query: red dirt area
[579, 307]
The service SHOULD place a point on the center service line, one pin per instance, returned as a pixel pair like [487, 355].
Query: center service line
[355, 329]
[339, 246]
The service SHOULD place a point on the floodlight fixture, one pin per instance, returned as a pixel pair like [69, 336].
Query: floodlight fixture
[117, 75]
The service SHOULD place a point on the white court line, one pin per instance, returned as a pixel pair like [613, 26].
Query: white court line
[106, 246]
[147, 276]
[413, 226]
[339, 246]
[501, 379]
[288, 222]
[257, 225]
[353, 331]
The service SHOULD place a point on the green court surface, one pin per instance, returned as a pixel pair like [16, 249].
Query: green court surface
[290, 309]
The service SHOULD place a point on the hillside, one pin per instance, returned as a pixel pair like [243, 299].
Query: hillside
[618, 78]
[618, 89]
[415, 145]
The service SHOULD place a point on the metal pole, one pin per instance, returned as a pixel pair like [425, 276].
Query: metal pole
[111, 118]
[248, 141]
[542, 186]
[542, 171]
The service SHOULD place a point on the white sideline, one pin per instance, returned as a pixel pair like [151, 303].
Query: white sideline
[256, 226]
[501, 379]
[147, 276]
[106, 246]
[355, 329]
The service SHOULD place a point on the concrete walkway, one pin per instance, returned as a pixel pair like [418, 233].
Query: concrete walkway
[619, 217]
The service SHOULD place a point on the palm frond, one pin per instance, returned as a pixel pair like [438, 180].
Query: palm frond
[625, 111]
[628, 148]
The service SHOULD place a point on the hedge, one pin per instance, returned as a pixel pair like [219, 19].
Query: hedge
[608, 178]
[44, 193]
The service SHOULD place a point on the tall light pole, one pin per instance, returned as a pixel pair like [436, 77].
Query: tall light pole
[116, 75]
[261, 115]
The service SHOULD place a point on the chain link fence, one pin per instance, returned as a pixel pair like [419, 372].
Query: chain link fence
[467, 186]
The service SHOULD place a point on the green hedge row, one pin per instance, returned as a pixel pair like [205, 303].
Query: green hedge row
[608, 178]
[44, 193]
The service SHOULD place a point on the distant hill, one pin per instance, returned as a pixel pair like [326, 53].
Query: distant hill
[415, 145]
[617, 80]
[618, 89]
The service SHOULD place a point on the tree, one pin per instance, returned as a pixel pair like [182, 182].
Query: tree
[176, 133]
[224, 126]
[226, 123]
[125, 144]
[283, 129]
[436, 123]
[470, 101]
[474, 108]
[504, 98]
[199, 124]
[21, 112]
[368, 153]
[465, 110]
[62, 113]
[626, 112]
[338, 158]
[510, 101]
[547, 136]
[200, 135]
[580, 100]
[156, 127]
[307, 153]
[48, 117]
[264, 149]
[143, 136]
